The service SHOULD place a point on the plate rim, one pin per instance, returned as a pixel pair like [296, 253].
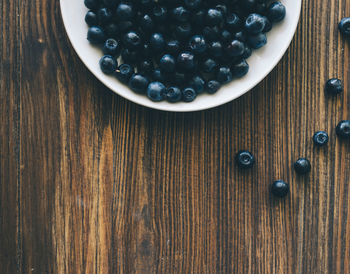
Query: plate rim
[172, 107]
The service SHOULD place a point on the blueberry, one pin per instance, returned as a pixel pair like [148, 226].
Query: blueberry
[320, 138]
[224, 75]
[156, 91]
[92, 4]
[129, 56]
[276, 12]
[197, 83]
[233, 22]
[302, 166]
[188, 95]
[173, 47]
[157, 42]
[124, 72]
[334, 86]
[245, 159]
[112, 30]
[124, 12]
[255, 23]
[197, 44]
[344, 26]
[158, 76]
[268, 25]
[145, 67]
[192, 4]
[257, 41]
[111, 47]
[247, 52]
[138, 83]
[173, 94]
[343, 129]
[214, 17]
[179, 78]
[186, 61]
[235, 48]
[183, 31]
[108, 64]
[91, 18]
[240, 69]
[225, 36]
[104, 16]
[213, 86]
[146, 23]
[160, 14]
[180, 14]
[208, 65]
[167, 63]
[96, 35]
[280, 188]
[132, 40]
[241, 36]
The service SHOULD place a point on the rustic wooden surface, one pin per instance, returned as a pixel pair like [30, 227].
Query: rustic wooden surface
[91, 183]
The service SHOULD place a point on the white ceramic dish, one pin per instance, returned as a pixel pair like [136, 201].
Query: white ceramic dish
[261, 62]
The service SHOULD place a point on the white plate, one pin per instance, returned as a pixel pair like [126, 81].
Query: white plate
[261, 62]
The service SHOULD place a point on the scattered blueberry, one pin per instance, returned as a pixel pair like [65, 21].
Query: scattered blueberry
[344, 26]
[91, 18]
[334, 86]
[124, 72]
[213, 86]
[320, 138]
[96, 35]
[302, 166]
[343, 129]
[224, 75]
[167, 63]
[245, 159]
[111, 47]
[279, 188]
[276, 12]
[255, 23]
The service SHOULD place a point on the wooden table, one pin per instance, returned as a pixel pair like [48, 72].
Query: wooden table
[91, 183]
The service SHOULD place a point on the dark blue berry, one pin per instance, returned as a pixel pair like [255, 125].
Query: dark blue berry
[183, 31]
[235, 48]
[280, 188]
[180, 14]
[257, 41]
[334, 86]
[208, 65]
[138, 83]
[156, 91]
[343, 129]
[124, 72]
[276, 12]
[104, 16]
[96, 35]
[130, 56]
[186, 61]
[173, 94]
[255, 23]
[108, 64]
[214, 17]
[215, 49]
[268, 25]
[240, 69]
[124, 12]
[197, 44]
[188, 95]
[167, 63]
[92, 4]
[157, 42]
[91, 18]
[245, 159]
[320, 138]
[302, 166]
[173, 47]
[197, 83]
[344, 26]
[145, 67]
[132, 40]
[233, 22]
[213, 86]
[160, 13]
[146, 23]
[111, 47]
[224, 75]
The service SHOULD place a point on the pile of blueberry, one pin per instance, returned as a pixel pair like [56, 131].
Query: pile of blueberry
[174, 50]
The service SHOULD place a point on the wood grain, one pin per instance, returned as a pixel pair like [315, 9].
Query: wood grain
[91, 183]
